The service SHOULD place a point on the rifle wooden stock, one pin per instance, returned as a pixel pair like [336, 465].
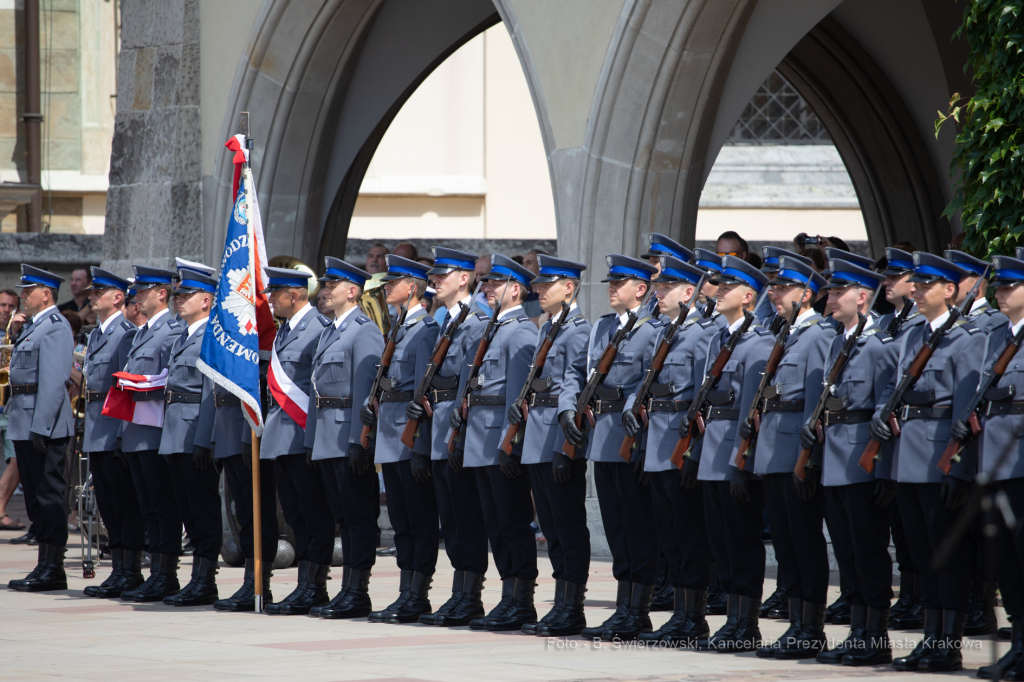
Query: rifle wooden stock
[539, 359]
[385, 363]
[478, 360]
[769, 372]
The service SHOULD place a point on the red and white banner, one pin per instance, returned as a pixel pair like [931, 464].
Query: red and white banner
[119, 403]
[286, 392]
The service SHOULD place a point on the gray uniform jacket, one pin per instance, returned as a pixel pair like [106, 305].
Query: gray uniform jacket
[736, 388]
[413, 347]
[502, 373]
[150, 353]
[863, 380]
[798, 378]
[949, 379]
[229, 428]
[460, 352]
[281, 435]
[344, 365]
[625, 375]
[188, 424]
[1006, 431]
[543, 437]
[107, 353]
[42, 356]
[682, 375]
[986, 318]
[913, 319]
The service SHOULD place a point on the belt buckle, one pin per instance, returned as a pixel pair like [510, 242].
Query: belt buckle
[988, 408]
[904, 412]
[167, 398]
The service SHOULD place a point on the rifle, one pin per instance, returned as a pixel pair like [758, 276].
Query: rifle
[600, 371]
[695, 414]
[639, 408]
[774, 358]
[970, 414]
[893, 328]
[420, 397]
[913, 373]
[709, 308]
[382, 368]
[833, 378]
[474, 370]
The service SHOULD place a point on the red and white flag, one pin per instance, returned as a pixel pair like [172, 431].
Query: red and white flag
[286, 392]
[119, 403]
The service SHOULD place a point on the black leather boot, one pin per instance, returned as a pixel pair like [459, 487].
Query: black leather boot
[776, 606]
[838, 613]
[982, 617]
[810, 639]
[728, 629]
[1010, 660]
[52, 576]
[789, 636]
[910, 614]
[570, 620]
[696, 630]
[315, 593]
[854, 640]
[520, 612]
[552, 615]
[675, 627]
[932, 631]
[346, 576]
[747, 636]
[116, 564]
[300, 589]
[470, 607]
[165, 582]
[664, 593]
[40, 560]
[418, 602]
[355, 602]
[131, 576]
[638, 618]
[508, 586]
[171, 598]
[716, 601]
[245, 598]
[204, 589]
[248, 587]
[877, 648]
[947, 656]
[404, 582]
[622, 597]
[458, 580]
[154, 571]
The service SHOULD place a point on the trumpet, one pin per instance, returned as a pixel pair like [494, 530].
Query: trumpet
[374, 303]
[6, 350]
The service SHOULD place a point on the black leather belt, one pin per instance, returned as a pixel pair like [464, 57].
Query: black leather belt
[437, 396]
[545, 400]
[340, 403]
[1005, 408]
[909, 413]
[848, 417]
[668, 405]
[226, 400]
[396, 396]
[723, 413]
[605, 406]
[93, 396]
[475, 400]
[783, 406]
[23, 389]
[191, 398]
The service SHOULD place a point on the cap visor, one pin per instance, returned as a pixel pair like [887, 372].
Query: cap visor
[618, 278]
[895, 272]
[787, 281]
[544, 279]
[442, 270]
[927, 279]
[770, 268]
[726, 279]
[996, 283]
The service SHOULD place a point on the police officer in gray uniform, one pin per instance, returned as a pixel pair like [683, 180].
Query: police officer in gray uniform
[106, 353]
[337, 367]
[898, 271]
[795, 513]
[857, 502]
[186, 439]
[677, 497]
[981, 315]
[40, 422]
[662, 245]
[623, 491]
[458, 501]
[733, 498]
[770, 255]
[929, 501]
[162, 510]
[559, 483]
[504, 491]
[412, 505]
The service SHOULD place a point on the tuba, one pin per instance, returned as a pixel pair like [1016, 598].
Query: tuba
[374, 303]
[293, 263]
[6, 350]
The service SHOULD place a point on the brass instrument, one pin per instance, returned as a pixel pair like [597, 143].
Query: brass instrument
[374, 302]
[293, 263]
[6, 350]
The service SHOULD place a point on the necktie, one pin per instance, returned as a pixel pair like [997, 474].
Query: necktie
[282, 333]
[446, 320]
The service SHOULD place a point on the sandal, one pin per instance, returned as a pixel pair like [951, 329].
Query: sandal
[15, 524]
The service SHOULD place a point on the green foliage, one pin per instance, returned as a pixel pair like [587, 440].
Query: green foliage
[988, 163]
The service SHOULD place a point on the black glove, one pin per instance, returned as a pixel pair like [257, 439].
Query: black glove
[953, 491]
[885, 490]
[509, 466]
[630, 423]
[561, 468]
[420, 467]
[739, 487]
[808, 438]
[684, 426]
[247, 458]
[455, 460]
[643, 478]
[455, 421]
[359, 459]
[880, 430]
[120, 455]
[368, 416]
[746, 430]
[806, 488]
[572, 434]
[960, 431]
[415, 412]
[688, 473]
[39, 443]
[202, 457]
[515, 414]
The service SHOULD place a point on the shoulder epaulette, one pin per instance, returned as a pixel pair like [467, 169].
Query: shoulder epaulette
[323, 320]
[611, 314]
[126, 325]
[704, 324]
[827, 322]
[523, 318]
[761, 331]
[54, 317]
[972, 330]
[429, 321]
[173, 324]
[483, 318]
[361, 319]
[578, 320]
